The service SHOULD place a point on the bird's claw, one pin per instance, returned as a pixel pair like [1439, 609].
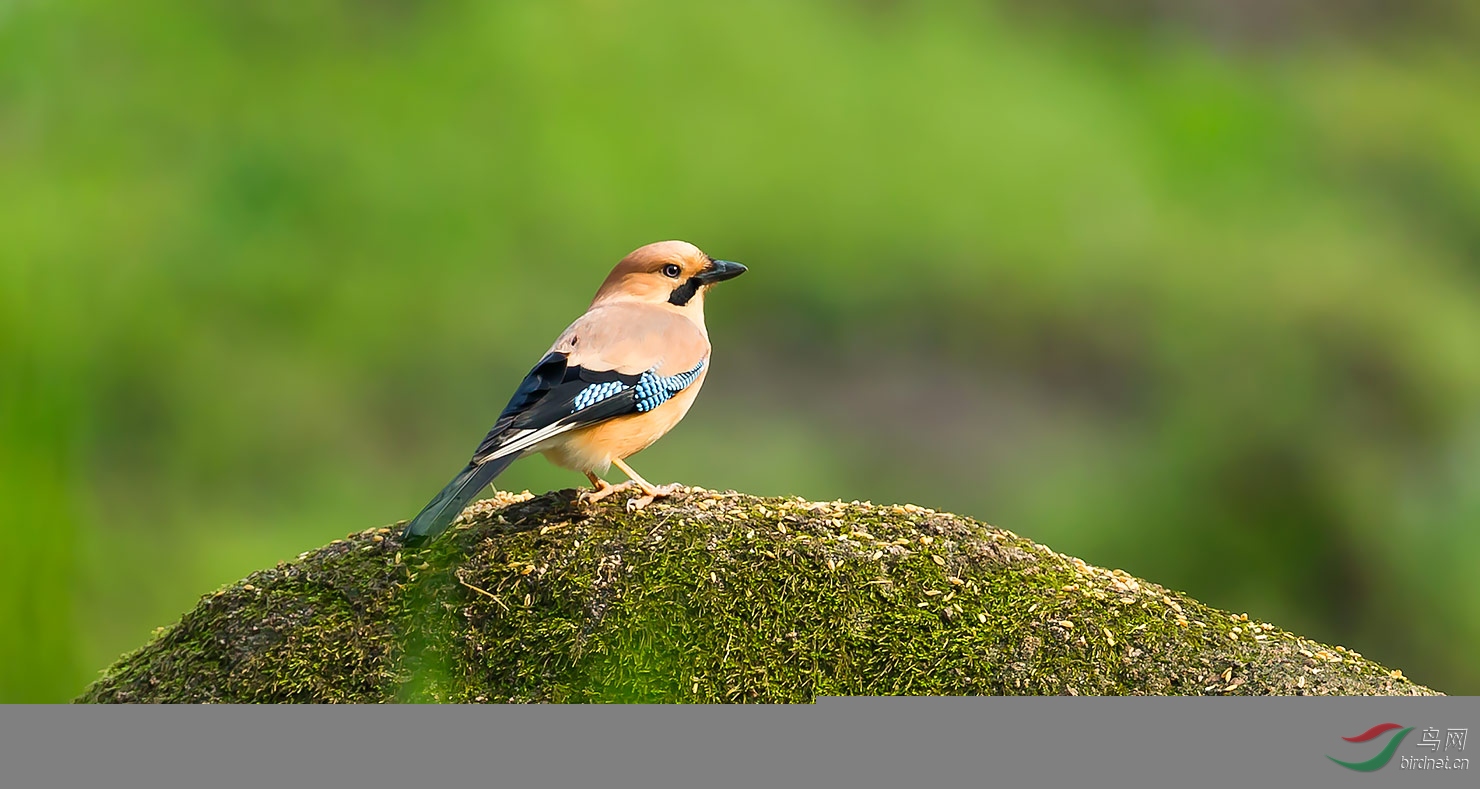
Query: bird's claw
[650, 495]
[602, 491]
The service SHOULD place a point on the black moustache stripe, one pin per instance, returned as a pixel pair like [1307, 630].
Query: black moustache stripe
[681, 294]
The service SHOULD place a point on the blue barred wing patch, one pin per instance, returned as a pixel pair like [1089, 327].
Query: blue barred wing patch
[595, 393]
[655, 390]
[650, 391]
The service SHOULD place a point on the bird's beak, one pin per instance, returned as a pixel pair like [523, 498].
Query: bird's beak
[719, 271]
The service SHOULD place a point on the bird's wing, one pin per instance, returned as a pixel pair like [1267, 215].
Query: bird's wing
[615, 360]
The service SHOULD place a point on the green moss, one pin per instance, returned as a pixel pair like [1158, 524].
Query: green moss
[711, 597]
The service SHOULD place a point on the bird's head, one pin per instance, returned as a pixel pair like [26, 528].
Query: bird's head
[676, 273]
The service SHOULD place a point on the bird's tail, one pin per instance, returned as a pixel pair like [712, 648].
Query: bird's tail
[439, 513]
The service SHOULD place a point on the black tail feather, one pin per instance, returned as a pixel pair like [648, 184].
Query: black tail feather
[439, 513]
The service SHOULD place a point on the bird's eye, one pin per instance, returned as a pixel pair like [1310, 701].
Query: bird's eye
[672, 270]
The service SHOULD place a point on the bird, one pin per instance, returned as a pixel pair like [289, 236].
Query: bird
[615, 381]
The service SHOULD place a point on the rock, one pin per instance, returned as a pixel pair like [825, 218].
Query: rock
[712, 597]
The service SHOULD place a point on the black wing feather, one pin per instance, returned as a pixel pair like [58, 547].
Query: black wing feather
[547, 395]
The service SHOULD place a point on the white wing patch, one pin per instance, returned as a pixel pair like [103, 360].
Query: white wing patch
[524, 439]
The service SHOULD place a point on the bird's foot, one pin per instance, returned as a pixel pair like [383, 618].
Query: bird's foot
[652, 493]
[602, 490]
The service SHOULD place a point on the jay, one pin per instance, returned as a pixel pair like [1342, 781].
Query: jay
[618, 378]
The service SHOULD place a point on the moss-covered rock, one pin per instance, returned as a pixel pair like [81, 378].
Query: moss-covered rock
[709, 597]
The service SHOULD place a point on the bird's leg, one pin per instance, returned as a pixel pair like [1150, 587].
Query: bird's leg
[601, 489]
[649, 490]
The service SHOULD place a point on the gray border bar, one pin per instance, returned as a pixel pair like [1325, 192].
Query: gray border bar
[892, 742]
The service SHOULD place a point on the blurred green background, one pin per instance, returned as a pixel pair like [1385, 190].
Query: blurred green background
[1191, 290]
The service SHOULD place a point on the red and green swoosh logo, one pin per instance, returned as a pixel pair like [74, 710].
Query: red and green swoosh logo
[1384, 756]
